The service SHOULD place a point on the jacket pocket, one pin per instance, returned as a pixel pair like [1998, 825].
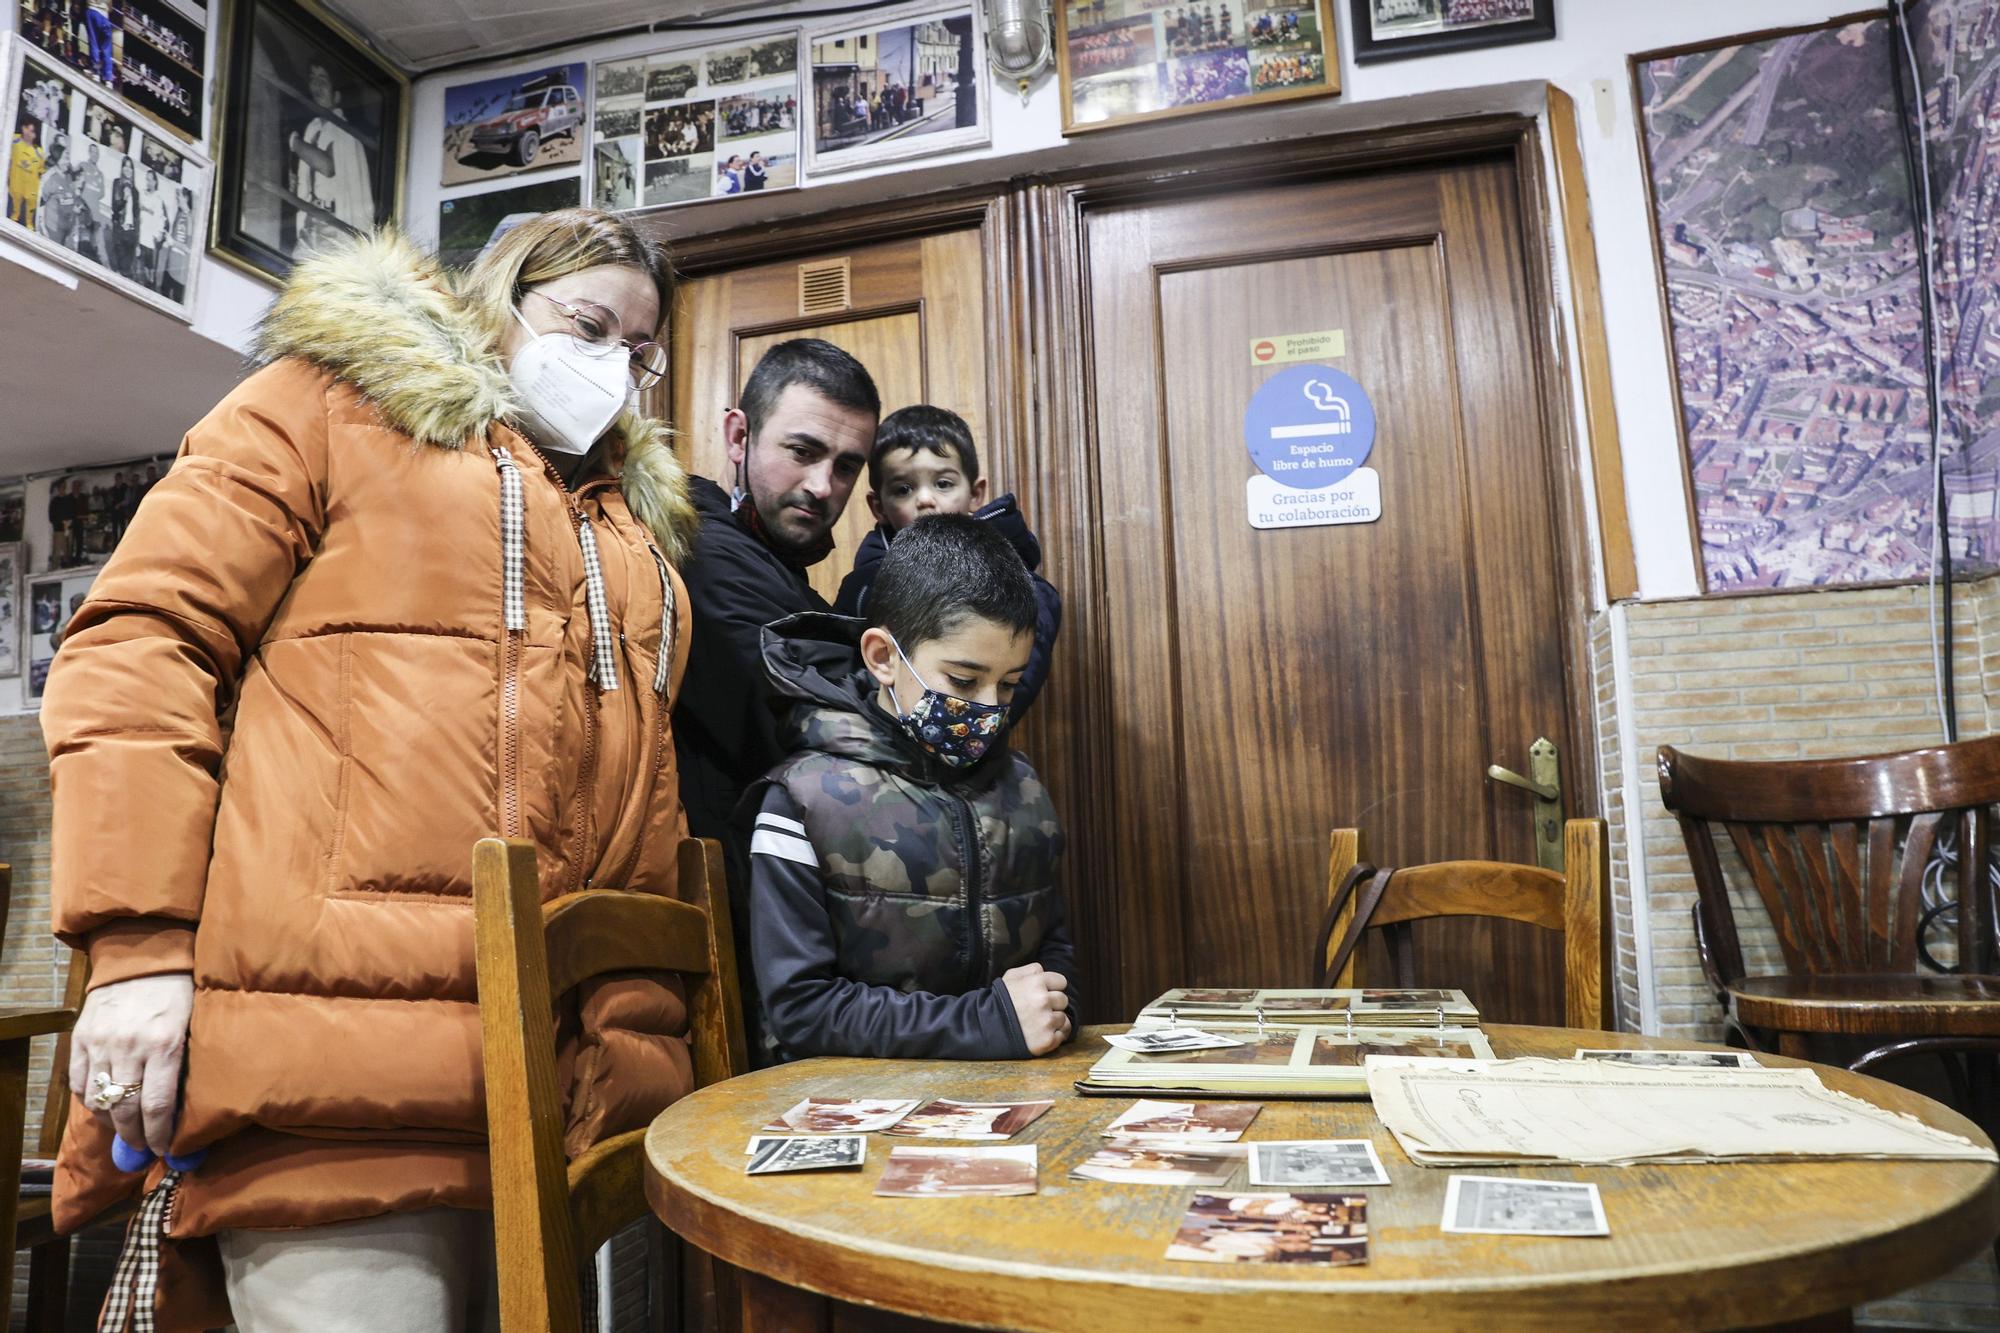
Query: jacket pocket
[905, 941]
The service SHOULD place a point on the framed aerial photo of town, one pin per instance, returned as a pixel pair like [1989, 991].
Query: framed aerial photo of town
[910, 83]
[696, 123]
[1399, 29]
[1124, 61]
[1787, 247]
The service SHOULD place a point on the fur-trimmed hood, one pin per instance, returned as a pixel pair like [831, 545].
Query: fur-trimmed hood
[383, 316]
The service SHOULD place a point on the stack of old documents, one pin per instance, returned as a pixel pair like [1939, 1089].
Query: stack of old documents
[1465, 1112]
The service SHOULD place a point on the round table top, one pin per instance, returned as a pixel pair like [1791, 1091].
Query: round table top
[1703, 1245]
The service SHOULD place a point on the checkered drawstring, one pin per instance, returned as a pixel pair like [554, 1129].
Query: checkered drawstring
[135, 1284]
[513, 542]
[604, 664]
[669, 623]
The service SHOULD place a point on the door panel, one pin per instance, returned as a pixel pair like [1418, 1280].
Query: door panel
[1271, 684]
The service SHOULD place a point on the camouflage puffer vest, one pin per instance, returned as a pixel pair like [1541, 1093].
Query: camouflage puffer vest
[931, 885]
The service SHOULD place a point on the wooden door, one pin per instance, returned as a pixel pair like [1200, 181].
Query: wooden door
[912, 311]
[1267, 685]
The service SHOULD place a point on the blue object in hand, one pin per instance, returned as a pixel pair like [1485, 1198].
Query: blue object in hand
[128, 1158]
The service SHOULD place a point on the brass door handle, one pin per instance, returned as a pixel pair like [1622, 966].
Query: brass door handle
[1546, 787]
[1513, 779]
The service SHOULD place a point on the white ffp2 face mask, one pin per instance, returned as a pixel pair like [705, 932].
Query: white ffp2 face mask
[569, 396]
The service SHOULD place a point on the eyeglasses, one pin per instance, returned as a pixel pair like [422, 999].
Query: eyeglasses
[592, 325]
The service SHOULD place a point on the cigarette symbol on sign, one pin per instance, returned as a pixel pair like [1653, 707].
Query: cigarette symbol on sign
[1320, 395]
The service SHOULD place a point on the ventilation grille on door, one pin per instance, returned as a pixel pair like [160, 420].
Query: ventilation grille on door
[823, 287]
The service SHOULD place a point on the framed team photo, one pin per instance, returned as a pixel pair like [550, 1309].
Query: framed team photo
[1398, 29]
[97, 190]
[1126, 61]
[910, 83]
[311, 136]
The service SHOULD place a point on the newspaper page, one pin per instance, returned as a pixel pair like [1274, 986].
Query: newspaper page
[1465, 1112]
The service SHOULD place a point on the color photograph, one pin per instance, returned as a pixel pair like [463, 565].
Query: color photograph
[515, 123]
[1223, 1122]
[1122, 61]
[897, 91]
[948, 1119]
[150, 53]
[471, 223]
[916, 1172]
[614, 174]
[1328, 1229]
[1132, 1162]
[842, 1115]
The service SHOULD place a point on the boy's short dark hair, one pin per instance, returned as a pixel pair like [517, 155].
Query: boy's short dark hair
[943, 569]
[939, 430]
[815, 363]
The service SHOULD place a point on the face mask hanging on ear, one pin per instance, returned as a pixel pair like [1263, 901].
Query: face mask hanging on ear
[958, 731]
[569, 396]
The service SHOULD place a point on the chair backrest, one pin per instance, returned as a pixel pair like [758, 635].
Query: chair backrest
[1571, 903]
[1838, 850]
[55, 1110]
[550, 1214]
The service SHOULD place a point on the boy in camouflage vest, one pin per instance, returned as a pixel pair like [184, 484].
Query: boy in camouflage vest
[903, 897]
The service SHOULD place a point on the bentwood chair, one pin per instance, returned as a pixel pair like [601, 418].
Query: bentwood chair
[1361, 897]
[1838, 852]
[551, 1214]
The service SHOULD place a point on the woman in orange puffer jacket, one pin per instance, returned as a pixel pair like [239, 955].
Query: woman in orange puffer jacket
[410, 585]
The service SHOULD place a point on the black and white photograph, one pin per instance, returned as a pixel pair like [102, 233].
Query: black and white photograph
[13, 511]
[614, 174]
[1154, 1041]
[1504, 1206]
[1316, 1162]
[311, 138]
[771, 1155]
[91, 189]
[1675, 1059]
[10, 609]
[470, 224]
[676, 180]
[897, 89]
[52, 600]
[1398, 29]
[667, 78]
[680, 130]
[150, 53]
[90, 508]
[513, 123]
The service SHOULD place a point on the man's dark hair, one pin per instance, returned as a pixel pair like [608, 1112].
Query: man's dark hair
[944, 569]
[921, 426]
[815, 363]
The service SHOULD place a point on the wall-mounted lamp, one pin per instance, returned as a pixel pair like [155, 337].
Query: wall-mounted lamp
[1017, 40]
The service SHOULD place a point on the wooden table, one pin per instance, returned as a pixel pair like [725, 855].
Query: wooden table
[1690, 1246]
[18, 1029]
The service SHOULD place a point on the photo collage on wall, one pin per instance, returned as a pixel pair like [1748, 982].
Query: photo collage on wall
[152, 53]
[700, 123]
[1126, 60]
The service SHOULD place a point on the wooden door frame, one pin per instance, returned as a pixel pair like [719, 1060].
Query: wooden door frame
[1041, 406]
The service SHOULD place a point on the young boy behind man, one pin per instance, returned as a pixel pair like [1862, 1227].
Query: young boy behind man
[903, 896]
[924, 463]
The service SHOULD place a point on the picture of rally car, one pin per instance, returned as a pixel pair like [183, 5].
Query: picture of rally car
[537, 113]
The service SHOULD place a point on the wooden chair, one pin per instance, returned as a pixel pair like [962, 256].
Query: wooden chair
[551, 1215]
[34, 1226]
[1571, 903]
[1838, 851]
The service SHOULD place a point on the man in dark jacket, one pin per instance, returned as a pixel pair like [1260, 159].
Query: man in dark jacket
[798, 440]
[924, 463]
[904, 872]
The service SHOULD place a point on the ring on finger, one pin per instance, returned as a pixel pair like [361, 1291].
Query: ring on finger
[107, 1092]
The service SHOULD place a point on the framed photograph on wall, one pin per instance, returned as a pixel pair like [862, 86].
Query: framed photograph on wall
[1126, 61]
[471, 223]
[150, 53]
[98, 190]
[1399, 29]
[13, 511]
[10, 609]
[52, 600]
[514, 123]
[910, 83]
[693, 123]
[311, 136]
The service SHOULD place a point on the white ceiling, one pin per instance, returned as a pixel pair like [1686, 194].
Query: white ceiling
[429, 33]
[90, 376]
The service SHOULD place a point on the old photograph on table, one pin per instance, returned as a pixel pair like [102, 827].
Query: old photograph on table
[1675, 1059]
[842, 1115]
[1504, 1206]
[807, 1154]
[150, 53]
[1261, 1228]
[311, 137]
[1141, 1162]
[911, 82]
[921, 1172]
[1223, 1122]
[693, 123]
[52, 600]
[1316, 1162]
[949, 1119]
[514, 123]
[97, 190]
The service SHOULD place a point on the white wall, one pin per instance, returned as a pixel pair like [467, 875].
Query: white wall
[1588, 60]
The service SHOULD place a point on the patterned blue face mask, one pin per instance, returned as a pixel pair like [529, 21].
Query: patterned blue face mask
[956, 730]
